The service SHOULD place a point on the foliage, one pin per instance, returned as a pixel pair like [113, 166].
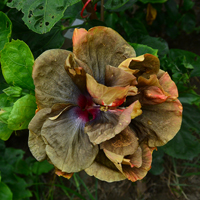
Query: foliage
[28, 28]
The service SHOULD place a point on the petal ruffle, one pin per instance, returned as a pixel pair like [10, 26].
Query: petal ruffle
[52, 83]
[103, 169]
[67, 146]
[110, 123]
[158, 123]
[100, 46]
[125, 143]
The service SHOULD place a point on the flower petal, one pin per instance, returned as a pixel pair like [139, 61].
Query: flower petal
[35, 141]
[100, 46]
[118, 77]
[125, 143]
[52, 83]
[108, 124]
[67, 146]
[146, 64]
[103, 169]
[108, 96]
[158, 123]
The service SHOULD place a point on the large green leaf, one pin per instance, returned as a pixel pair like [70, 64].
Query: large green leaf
[5, 29]
[185, 145]
[155, 43]
[41, 15]
[16, 62]
[4, 114]
[5, 192]
[39, 168]
[22, 112]
[38, 43]
[141, 49]
[5, 132]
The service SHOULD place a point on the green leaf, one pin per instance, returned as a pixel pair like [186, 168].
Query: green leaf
[153, 1]
[155, 43]
[2, 4]
[37, 43]
[188, 22]
[39, 168]
[191, 58]
[5, 192]
[72, 11]
[5, 29]
[19, 189]
[188, 4]
[22, 112]
[190, 98]
[126, 6]
[157, 163]
[142, 49]
[6, 101]
[16, 62]
[13, 91]
[4, 114]
[5, 132]
[114, 4]
[41, 15]
[111, 20]
[185, 145]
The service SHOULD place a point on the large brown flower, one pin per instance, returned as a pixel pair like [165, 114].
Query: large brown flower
[102, 109]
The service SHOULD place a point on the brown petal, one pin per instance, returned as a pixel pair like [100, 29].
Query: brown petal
[67, 146]
[35, 141]
[125, 143]
[103, 95]
[103, 169]
[159, 123]
[100, 46]
[108, 124]
[118, 77]
[146, 64]
[52, 83]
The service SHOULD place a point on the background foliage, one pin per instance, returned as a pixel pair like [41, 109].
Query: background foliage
[28, 28]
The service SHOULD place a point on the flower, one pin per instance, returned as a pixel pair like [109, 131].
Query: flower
[101, 109]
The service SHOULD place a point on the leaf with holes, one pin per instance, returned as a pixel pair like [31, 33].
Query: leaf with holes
[40, 16]
[38, 43]
[22, 112]
[5, 29]
[16, 62]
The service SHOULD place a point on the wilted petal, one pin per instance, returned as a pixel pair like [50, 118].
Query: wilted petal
[67, 146]
[108, 96]
[134, 173]
[159, 123]
[35, 141]
[118, 77]
[103, 169]
[125, 143]
[100, 46]
[147, 64]
[64, 174]
[109, 123]
[52, 83]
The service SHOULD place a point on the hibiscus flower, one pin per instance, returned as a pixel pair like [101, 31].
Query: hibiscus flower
[101, 109]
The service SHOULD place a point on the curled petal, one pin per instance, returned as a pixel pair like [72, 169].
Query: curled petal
[52, 83]
[98, 47]
[67, 146]
[64, 174]
[118, 77]
[103, 169]
[125, 143]
[146, 64]
[35, 141]
[108, 124]
[106, 95]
